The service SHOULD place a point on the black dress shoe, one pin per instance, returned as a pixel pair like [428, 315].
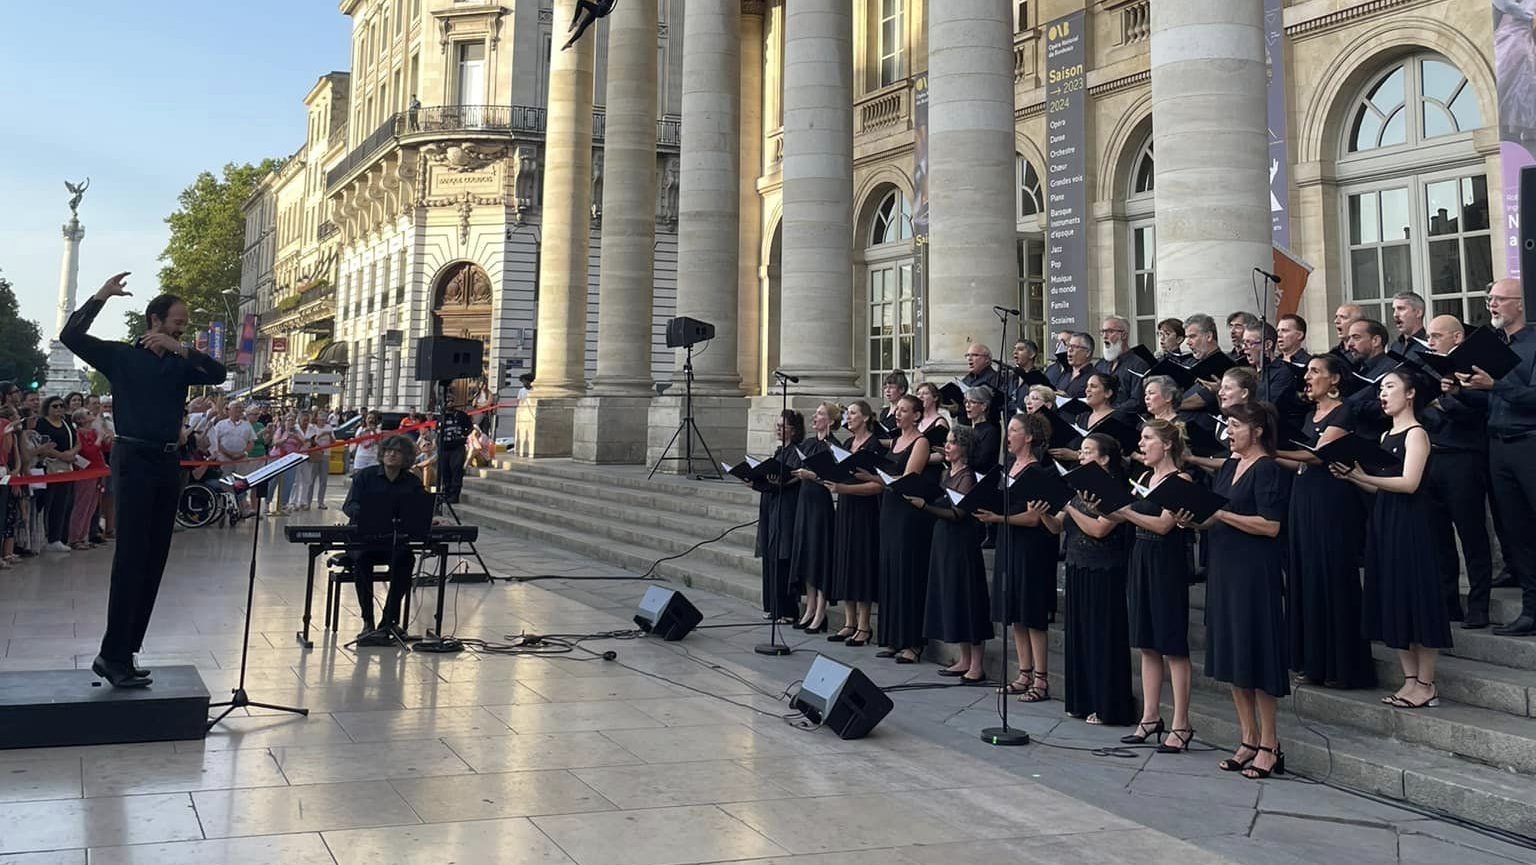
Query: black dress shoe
[1524, 626]
[118, 674]
[377, 638]
[1475, 621]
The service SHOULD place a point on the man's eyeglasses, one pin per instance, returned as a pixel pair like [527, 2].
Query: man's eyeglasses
[973, 356]
[1495, 299]
[1113, 330]
[1075, 347]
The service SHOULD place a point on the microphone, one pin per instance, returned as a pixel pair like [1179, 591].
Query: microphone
[1005, 309]
[779, 373]
[1267, 275]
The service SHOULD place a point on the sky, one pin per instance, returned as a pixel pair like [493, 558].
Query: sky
[140, 97]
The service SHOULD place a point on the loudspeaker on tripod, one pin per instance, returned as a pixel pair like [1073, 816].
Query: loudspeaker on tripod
[445, 358]
[841, 698]
[665, 613]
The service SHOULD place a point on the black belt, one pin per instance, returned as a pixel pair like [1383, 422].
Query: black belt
[162, 447]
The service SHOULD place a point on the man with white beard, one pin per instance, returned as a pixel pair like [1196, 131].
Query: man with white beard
[1118, 361]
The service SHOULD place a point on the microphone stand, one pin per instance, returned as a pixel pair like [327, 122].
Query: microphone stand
[1004, 735]
[773, 646]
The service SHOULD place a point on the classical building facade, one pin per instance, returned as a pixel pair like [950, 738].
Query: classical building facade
[785, 204]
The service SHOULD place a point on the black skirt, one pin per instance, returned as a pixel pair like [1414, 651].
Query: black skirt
[856, 550]
[812, 558]
[1159, 593]
[1323, 593]
[1098, 650]
[906, 535]
[957, 609]
[1024, 579]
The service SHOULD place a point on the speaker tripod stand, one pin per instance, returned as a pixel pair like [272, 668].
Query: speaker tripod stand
[688, 428]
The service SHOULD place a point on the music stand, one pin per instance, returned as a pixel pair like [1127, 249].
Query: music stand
[256, 482]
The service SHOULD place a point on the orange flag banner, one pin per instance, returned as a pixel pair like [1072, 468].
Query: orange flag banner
[1293, 273]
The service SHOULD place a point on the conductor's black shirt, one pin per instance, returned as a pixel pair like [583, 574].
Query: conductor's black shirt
[149, 391]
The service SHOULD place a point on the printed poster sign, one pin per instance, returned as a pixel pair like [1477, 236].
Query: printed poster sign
[1066, 112]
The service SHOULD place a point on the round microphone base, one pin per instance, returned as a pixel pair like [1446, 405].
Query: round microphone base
[1004, 736]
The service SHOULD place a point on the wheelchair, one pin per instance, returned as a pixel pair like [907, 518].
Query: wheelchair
[207, 502]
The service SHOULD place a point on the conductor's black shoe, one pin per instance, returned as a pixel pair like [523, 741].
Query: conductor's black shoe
[118, 674]
[1474, 621]
[395, 631]
[375, 638]
[1524, 626]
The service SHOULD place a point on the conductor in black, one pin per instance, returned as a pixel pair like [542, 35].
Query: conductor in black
[390, 480]
[149, 377]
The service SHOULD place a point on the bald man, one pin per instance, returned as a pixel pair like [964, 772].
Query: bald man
[979, 372]
[1512, 443]
[1457, 483]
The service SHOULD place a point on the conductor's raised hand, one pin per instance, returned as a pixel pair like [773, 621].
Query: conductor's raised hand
[162, 342]
[114, 287]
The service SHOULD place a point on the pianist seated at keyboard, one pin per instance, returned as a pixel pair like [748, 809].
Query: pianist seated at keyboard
[390, 479]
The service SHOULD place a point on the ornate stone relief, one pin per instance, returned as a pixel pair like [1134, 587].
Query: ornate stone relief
[464, 157]
[666, 191]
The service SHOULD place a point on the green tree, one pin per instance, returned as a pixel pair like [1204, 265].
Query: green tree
[99, 384]
[202, 258]
[21, 356]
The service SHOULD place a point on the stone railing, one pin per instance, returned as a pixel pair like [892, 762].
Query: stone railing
[1136, 23]
[885, 110]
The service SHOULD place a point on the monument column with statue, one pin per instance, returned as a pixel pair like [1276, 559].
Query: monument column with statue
[63, 375]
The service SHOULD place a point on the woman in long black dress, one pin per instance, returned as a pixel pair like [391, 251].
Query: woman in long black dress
[856, 537]
[1099, 393]
[989, 438]
[776, 507]
[1024, 573]
[1325, 528]
[1403, 603]
[1159, 593]
[906, 534]
[815, 515]
[1244, 606]
[957, 607]
[895, 387]
[1098, 641]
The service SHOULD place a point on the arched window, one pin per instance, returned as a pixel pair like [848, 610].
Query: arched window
[1416, 214]
[1030, 204]
[1139, 210]
[1443, 104]
[891, 300]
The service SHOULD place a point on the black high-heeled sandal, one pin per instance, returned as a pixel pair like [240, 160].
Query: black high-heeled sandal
[1254, 773]
[1393, 699]
[855, 642]
[1025, 676]
[1185, 735]
[1232, 764]
[1143, 733]
[916, 656]
[818, 629]
[842, 635]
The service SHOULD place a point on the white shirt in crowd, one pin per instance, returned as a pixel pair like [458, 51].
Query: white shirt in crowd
[231, 440]
[365, 454]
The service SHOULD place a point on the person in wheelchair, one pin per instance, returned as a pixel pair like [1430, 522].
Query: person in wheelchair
[390, 479]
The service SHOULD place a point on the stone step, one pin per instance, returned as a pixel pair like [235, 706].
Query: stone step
[692, 571]
[729, 491]
[620, 515]
[516, 483]
[1406, 772]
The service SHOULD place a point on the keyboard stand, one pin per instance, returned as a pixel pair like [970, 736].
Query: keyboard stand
[315, 552]
[438, 644]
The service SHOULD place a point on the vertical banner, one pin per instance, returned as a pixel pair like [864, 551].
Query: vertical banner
[200, 342]
[919, 218]
[1279, 126]
[1066, 114]
[1514, 61]
[216, 341]
[245, 350]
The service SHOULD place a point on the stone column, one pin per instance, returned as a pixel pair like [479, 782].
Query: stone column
[63, 376]
[818, 197]
[972, 259]
[545, 421]
[1208, 110]
[709, 225]
[749, 299]
[611, 423]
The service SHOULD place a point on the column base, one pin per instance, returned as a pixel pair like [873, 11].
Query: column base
[544, 427]
[610, 429]
[722, 426]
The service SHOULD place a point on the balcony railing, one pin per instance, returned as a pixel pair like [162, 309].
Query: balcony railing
[325, 230]
[885, 110]
[512, 120]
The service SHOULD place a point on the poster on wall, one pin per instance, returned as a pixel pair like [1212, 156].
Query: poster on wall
[216, 341]
[1279, 160]
[1514, 59]
[245, 350]
[919, 214]
[1066, 113]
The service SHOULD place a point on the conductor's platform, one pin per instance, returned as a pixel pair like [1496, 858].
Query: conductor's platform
[52, 708]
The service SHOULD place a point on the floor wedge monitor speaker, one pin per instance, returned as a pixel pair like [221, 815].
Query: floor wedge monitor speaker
[665, 613]
[841, 698]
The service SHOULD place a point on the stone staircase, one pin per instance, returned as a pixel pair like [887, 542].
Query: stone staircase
[1473, 757]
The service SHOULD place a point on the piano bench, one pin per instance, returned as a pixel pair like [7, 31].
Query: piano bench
[340, 574]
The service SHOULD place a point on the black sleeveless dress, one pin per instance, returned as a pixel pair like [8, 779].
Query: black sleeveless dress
[1158, 588]
[1403, 602]
[856, 545]
[1244, 597]
[906, 536]
[1325, 532]
[775, 539]
[957, 609]
[811, 561]
[1098, 647]
[1026, 562]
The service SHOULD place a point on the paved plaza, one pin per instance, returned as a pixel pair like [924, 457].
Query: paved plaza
[670, 754]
